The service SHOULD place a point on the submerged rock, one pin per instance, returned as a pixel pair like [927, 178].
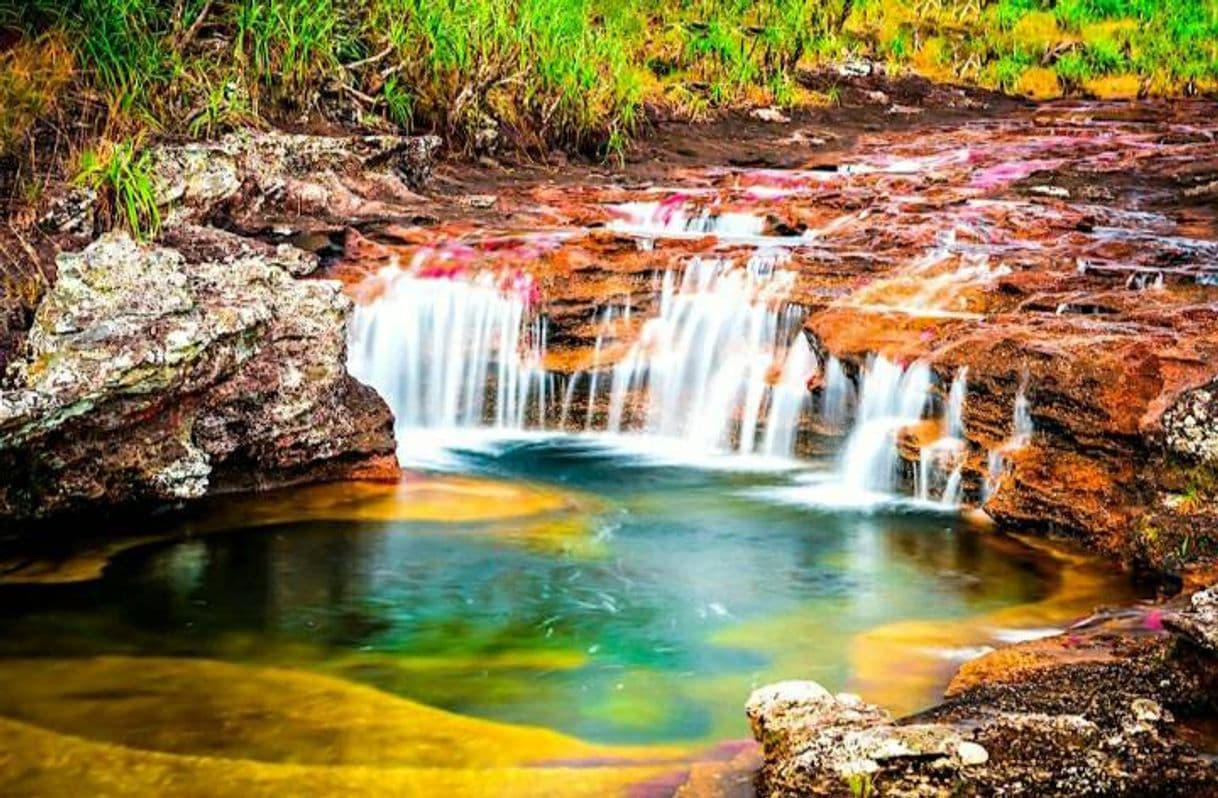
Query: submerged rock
[148, 376]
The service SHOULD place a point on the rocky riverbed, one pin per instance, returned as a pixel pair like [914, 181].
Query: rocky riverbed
[1059, 263]
[1098, 711]
[1062, 256]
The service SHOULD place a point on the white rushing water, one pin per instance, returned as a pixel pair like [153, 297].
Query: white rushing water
[450, 353]
[837, 397]
[702, 369]
[675, 217]
[941, 462]
[1022, 430]
[890, 398]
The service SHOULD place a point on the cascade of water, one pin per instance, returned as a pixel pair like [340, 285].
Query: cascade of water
[450, 353]
[837, 395]
[713, 346]
[890, 398]
[955, 403]
[1021, 435]
[605, 326]
[789, 400]
[568, 397]
[1023, 416]
[674, 217]
[942, 461]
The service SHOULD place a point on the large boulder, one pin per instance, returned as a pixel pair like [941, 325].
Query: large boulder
[1093, 712]
[150, 376]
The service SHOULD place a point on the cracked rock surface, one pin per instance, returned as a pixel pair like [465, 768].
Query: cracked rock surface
[147, 376]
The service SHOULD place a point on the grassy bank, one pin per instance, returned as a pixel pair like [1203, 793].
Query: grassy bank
[573, 73]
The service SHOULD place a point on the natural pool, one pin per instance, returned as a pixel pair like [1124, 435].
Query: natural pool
[559, 582]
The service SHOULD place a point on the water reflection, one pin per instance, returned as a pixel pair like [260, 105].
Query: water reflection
[655, 599]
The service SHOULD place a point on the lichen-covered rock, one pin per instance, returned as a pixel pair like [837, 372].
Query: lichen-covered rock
[256, 175]
[1191, 424]
[1091, 713]
[147, 376]
[819, 744]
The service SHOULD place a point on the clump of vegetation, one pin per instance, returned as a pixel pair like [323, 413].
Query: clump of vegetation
[580, 74]
[121, 175]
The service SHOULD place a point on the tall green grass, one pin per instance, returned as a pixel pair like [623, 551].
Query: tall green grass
[122, 176]
[549, 72]
[575, 73]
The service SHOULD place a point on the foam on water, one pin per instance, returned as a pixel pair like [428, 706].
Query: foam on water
[451, 353]
[703, 365]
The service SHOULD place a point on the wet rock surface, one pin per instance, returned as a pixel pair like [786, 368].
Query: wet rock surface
[1063, 250]
[1091, 712]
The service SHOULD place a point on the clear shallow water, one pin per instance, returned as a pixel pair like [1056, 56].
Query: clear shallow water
[640, 604]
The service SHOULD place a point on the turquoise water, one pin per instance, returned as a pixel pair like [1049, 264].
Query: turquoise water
[643, 610]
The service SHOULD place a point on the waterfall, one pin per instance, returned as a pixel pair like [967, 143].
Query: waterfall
[941, 463]
[452, 352]
[955, 404]
[789, 400]
[1023, 416]
[890, 398]
[1022, 430]
[837, 395]
[704, 363]
[672, 217]
[568, 397]
[605, 326]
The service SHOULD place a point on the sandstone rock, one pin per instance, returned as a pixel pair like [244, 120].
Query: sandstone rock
[1092, 712]
[1199, 621]
[146, 376]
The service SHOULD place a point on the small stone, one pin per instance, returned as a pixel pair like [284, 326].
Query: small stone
[769, 115]
[971, 754]
[1146, 711]
[1051, 191]
[480, 201]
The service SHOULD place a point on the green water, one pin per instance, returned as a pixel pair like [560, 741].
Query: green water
[643, 613]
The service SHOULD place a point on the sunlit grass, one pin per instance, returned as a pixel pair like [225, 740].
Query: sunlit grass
[580, 74]
[121, 174]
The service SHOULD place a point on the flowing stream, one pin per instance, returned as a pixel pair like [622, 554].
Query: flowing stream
[629, 500]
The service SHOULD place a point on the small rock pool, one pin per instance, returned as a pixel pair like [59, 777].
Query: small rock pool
[559, 599]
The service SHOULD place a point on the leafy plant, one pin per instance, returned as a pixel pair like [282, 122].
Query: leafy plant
[121, 174]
